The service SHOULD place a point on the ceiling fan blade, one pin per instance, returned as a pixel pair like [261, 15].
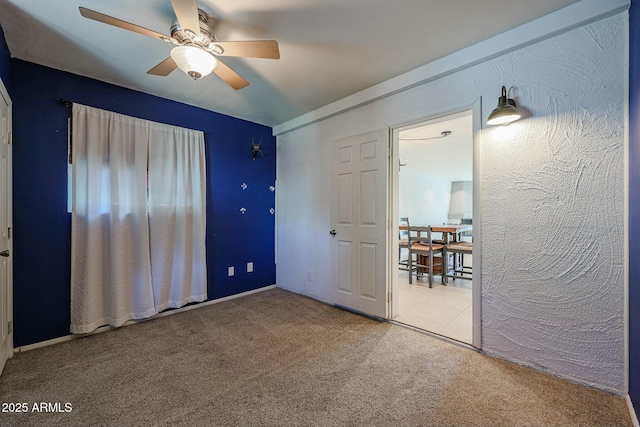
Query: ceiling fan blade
[106, 19]
[230, 77]
[251, 49]
[187, 14]
[164, 68]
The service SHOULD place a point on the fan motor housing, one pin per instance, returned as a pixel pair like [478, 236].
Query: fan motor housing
[206, 39]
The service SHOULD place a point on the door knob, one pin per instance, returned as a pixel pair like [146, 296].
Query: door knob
[332, 232]
[5, 253]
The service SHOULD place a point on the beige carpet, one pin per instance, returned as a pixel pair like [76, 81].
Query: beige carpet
[279, 359]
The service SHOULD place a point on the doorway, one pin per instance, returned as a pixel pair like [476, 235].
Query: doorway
[435, 183]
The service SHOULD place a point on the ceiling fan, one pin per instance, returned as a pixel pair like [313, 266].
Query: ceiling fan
[196, 48]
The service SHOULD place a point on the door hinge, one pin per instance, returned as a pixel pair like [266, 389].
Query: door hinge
[388, 296]
[10, 138]
[10, 327]
[9, 233]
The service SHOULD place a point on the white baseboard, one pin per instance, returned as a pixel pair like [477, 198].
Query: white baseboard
[632, 412]
[132, 322]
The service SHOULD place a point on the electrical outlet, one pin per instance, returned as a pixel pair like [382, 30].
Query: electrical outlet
[250, 267]
[231, 271]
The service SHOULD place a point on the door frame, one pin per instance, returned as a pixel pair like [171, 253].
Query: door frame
[9, 303]
[474, 106]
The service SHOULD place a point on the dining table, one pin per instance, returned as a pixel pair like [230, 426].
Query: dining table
[448, 230]
[453, 230]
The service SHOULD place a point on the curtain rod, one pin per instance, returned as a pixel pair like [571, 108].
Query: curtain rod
[66, 103]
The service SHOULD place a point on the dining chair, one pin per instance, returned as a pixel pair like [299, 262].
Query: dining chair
[460, 271]
[403, 242]
[425, 251]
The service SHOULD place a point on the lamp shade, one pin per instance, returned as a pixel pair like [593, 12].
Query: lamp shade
[196, 62]
[461, 202]
[506, 111]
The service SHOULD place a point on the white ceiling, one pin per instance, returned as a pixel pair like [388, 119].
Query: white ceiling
[449, 158]
[329, 49]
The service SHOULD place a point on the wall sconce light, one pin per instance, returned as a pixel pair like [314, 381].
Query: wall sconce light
[506, 111]
[255, 149]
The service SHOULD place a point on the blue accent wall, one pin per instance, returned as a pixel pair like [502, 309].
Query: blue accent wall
[634, 205]
[42, 226]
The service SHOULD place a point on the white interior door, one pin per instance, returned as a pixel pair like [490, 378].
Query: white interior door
[359, 218]
[6, 274]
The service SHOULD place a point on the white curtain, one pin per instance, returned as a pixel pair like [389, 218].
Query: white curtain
[177, 216]
[117, 272]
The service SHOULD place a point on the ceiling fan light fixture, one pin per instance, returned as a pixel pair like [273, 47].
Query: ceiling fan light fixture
[195, 62]
[506, 111]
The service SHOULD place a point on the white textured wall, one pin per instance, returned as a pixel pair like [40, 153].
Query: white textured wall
[303, 215]
[552, 200]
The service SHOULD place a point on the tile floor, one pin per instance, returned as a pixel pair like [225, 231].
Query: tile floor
[444, 310]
